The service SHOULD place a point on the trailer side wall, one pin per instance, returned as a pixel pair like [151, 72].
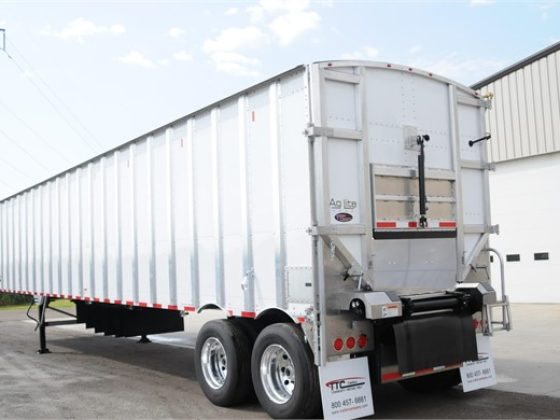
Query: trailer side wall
[211, 209]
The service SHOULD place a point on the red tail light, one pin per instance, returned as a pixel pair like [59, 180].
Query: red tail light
[350, 342]
[362, 341]
[338, 343]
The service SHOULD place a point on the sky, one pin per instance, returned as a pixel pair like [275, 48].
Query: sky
[81, 77]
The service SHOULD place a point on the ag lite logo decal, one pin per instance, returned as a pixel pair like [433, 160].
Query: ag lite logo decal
[343, 217]
[343, 209]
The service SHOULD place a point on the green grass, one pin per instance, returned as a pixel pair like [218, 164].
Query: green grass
[59, 303]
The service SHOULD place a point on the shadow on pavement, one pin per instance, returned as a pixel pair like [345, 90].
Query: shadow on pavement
[171, 360]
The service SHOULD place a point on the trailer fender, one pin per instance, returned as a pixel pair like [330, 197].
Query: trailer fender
[275, 315]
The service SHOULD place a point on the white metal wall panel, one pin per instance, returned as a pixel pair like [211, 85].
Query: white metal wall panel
[197, 212]
[294, 170]
[528, 226]
[414, 100]
[525, 117]
[261, 196]
[230, 192]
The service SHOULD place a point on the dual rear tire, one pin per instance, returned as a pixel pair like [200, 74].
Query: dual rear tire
[284, 376]
[278, 367]
[223, 363]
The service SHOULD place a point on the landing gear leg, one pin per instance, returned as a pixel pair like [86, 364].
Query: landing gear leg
[44, 302]
[144, 340]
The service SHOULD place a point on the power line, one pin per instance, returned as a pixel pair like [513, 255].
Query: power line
[36, 134]
[51, 103]
[20, 147]
[53, 92]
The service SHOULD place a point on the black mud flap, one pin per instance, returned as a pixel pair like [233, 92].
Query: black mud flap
[435, 341]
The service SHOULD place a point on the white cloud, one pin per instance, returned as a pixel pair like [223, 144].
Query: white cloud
[182, 56]
[263, 7]
[281, 20]
[231, 11]
[365, 53]
[288, 18]
[415, 49]
[544, 9]
[164, 61]
[289, 26]
[79, 29]
[235, 64]
[480, 2]
[175, 32]
[136, 58]
[255, 13]
[458, 67]
[232, 39]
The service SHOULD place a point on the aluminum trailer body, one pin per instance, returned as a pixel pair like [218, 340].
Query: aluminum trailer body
[343, 196]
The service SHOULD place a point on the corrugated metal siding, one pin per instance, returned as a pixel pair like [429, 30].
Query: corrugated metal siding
[525, 115]
[210, 209]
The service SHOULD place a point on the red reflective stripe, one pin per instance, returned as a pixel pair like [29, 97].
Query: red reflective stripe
[106, 300]
[412, 224]
[423, 371]
[142, 304]
[130, 303]
[118, 302]
[157, 305]
[189, 308]
[77, 297]
[447, 224]
[386, 224]
[301, 319]
[391, 376]
[96, 299]
[172, 307]
[87, 299]
[248, 314]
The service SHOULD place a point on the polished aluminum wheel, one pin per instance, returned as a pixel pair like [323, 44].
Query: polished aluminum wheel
[213, 361]
[278, 374]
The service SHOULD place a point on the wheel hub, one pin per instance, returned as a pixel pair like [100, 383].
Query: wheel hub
[278, 374]
[214, 363]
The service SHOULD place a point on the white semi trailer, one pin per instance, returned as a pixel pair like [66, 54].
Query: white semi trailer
[337, 211]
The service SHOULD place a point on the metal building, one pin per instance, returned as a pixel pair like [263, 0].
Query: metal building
[525, 187]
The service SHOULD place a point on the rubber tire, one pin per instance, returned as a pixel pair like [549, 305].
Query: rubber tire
[237, 388]
[432, 383]
[251, 328]
[305, 401]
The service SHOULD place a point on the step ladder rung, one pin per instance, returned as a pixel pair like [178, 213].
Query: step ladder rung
[505, 322]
